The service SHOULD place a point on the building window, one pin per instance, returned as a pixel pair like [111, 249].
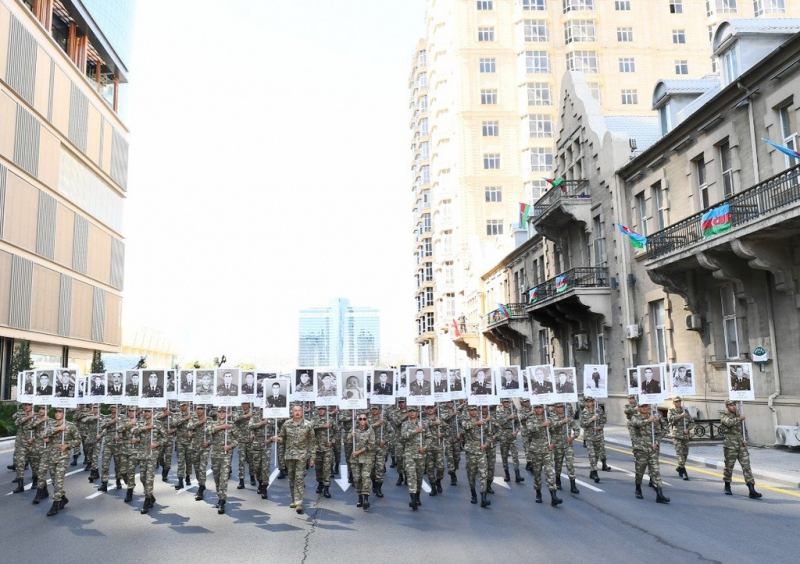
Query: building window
[627, 64]
[540, 126]
[424, 151]
[726, 169]
[491, 161]
[594, 90]
[658, 325]
[678, 36]
[447, 242]
[449, 273]
[659, 206]
[430, 322]
[423, 80]
[788, 132]
[578, 5]
[541, 160]
[423, 103]
[598, 241]
[580, 30]
[428, 272]
[488, 97]
[428, 297]
[641, 213]
[630, 97]
[675, 6]
[544, 353]
[427, 248]
[729, 327]
[624, 34]
[601, 342]
[622, 5]
[730, 64]
[425, 173]
[422, 58]
[665, 114]
[426, 223]
[682, 67]
[485, 5]
[539, 94]
[535, 30]
[485, 34]
[762, 7]
[490, 128]
[585, 61]
[702, 182]
[534, 5]
[488, 65]
[535, 189]
[494, 226]
[537, 62]
[493, 193]
[720, 7]
[423, 126]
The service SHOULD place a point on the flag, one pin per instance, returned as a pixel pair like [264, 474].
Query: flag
[556, 182]
[716, 220]
[503, 310]
[785, 150]
[638, 241]
[455, 328]
[524, 213]
[562, 282]
[533, 295]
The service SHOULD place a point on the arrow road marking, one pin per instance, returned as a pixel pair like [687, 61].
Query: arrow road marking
[343, 483]
[426, 487]
[500, 482]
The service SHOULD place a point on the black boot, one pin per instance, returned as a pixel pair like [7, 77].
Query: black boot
[12, 467]
[639, 491]
[413, 504]
[349, 477]
[558, 482]
[74, 460]
[572, 487]
[319, 487]
[606, 467]
[685, 475]
[91, 477]
[728, 488]
[164, 474]
[439, 485]
[38, 497]
[366, 502]
[264, 494]
[489, 487]
[360, 501]
[20, 487]
[199, 496]
[326, 492]
[378, 490]
[517, 478]
[252, 480]
[241, 484]
[129, 496]
[554, 499]
[453, 479]
[146, 506]
[753, 493]
[103, 487]
[529, 466]
[507, 477]
[45, 492]
[593, 475]
[419, 501]
[221, 507]
[188, 480]
[539, 496]
[64, 501]
[282, 474]
[433, 489]
[474, 495]
[54, 508]
[336, 469]
[651, 484]
[400, 479]
[88, 467]
[34, 480]
[119, 484]
[179, 485]
[394, 463]
[660, 497]
[485, 500]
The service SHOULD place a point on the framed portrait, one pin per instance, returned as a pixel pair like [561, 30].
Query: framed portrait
[509, 382]
[328, 383]
[65, 389]
[740, 381]
[382, 391]
[420, 390]
[401, 389]
[82, 389]
[276, 398]
[43, 393]
[204, 387]
[439, 385]
[249, 386]
[96, 388]
[652, 387]
[152, 393]
[595, 380]
[303, 389]
[227, 382]
[25, 385]
[540, 384]
[455, 384]
[566, 384]
[633, 380]
[354, 389]
[171, 387]
[185, 385]
[262, 386]
[132, 381]
[481, 386]
[681, 379]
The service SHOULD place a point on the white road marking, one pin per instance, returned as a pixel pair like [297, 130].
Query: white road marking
[582, 483]
[187, 488]
[426, 487]
[501, 482]
[30, 486]
[343, 482]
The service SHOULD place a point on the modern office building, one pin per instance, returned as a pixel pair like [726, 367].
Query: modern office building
[63, 178]
[339, 335]
[485, 86]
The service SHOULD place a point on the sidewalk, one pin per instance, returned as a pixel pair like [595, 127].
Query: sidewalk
[779, 465]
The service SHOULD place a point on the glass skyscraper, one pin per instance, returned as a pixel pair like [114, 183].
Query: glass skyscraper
[339, 335]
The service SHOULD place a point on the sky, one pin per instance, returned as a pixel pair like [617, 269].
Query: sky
[269, 171]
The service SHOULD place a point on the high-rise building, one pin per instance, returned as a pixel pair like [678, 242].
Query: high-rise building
[339, 335]
[63, 178]
[484, 85]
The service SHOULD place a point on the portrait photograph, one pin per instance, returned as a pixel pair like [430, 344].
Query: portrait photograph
[204, 386]
[132, 380]
[227, 382]
[328, 386]
[455, 382]
[382, 391]
[633, 381]
[43, 393]
[303, 385]
[509, 382]
[652, 388]
[540, 380]
[420, 390]
[82, 389]
[481, 388]
[740, 381]
[441, 391]
[152, 393]
[260, 383]
[185, 385]
[401, 390]
[249, 384]
[566, 384]
[354, 389]
[171, 388]
[26, 383]
[65, 388]
[595, 380]
[276, 398]
[97, 387]
[682, 379]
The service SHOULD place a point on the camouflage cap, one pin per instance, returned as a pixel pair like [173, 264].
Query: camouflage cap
[730, 402]
[632, 396]
[588, 398]
[677, 398]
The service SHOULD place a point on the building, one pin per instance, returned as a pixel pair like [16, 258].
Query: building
[339, 335]
[484, 103]
[156, 347]
[63, 178]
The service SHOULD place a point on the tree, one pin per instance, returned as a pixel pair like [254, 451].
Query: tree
[21, 360]
[246, 366]
[98, 366]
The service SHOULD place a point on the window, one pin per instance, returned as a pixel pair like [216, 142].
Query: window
[594, 90]
[427, 248]
[493, 193]
[598, 241]
[730, 64]
[544, 353]
[428, 272]
[627, 64]
[730, 330]
[491, 161]
[539, 94]
[720, 7]
[726, 169]
[449, 277]
[585, 61]
[665, 115]
[424, 151]
[423, 80]
[430, 322]
[535, 30]
[641, 213]
[601, 342]
[485, 34]
[447, 242]
[624, 34]
[622, 5]
[630, 97]
[423, 103]
[658, 325]
[428, 297]
[491, 128]
[678, 36]
[422, 58]
[485, 5]
[531, 5]
[540, 126]
[494, 227]
[535, 189]
[488, 97]
[762, 7]
[578, 5]
[788, 132]
[426, 223]
[580, 30]
[423, 126]
[537, 62]
[682, 67]
[541, 160]
[659, 206]
[488, 65]
[675, 6]
[702, 182]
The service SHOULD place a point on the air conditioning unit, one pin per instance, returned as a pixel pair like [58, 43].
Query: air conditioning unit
[582, 342]
[694, 322]
[633, 332]
[787, 435]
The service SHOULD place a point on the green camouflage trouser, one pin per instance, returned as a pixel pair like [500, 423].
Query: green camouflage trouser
[23, 455]
[261, 458]
[453, 453]
[245, 455]
[732, 454]
[681, 451]
[90, 449]
[281, 455]
[57, 463]
[200, 465]
[414, 469]
[508, 446]
[185, 458]
[564, 452]
[379, 464]
[491, 459]
[130, 469]
[220, 468]
[147, 473]
[477, 467]
[542, 459]
[399, 458]
[596, 449]
[647, 459]
[296, 470]
[165, 455]
[434, 462]
[361, 476]
[322, 465]
[109, 451]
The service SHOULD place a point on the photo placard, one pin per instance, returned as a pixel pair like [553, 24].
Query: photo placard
[510, 382]
[481, 387]
[26, 383]
[328, 383]
[97, 388]
[595, 380]
[303, 389]
[383, 382]
[249, 386]
[43, 393]
[420, 389]
[132, 381]
[566, 382]
[652, 387]
[204, 386]
[540, 384]
[401, 389]
[65, 389]
[276, 398]
[741, 386]
[262, 385]
[227, 382]
[682, 381]
[633, 381]
[439, 384]
[455, 384]
[186, 380]
[152, 393]
[82, 389]
[172, 389]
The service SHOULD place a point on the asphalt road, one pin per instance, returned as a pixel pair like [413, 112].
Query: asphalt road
[603, 523]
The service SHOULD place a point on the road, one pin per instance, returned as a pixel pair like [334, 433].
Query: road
[603, 523]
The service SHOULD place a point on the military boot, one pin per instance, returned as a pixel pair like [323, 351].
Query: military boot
[453, 479]
[54, 508]
[554, 499]
[62, 502]
[221, 507]
[378, 490]
[366, 502]
[651, 483]
[326, 492]
[753, 493]
[413, 504]
[685, 475]
[474, 495]
[252, 480]
[38, 497]
[529, 466]
[485, 500]
[282, 474]
[74, 460]
[507, 477]
[188, 480]
[360, 501]
[558, 482]
[394, 463]
[517, 478]
[572, 487]
[146, 506]
[199, 495]
[433, 489]
[538, 496]
[129, 496]
[20, 486]
[119, 484]
[34, 480]
[319, 487]
[179, 485]
[606, 467]
[45, 492]
[489, 487]
[400, 479]
[660, 497]
[728, 488]
[349, 476]
[164, 474]
[241, 484]
[264, 494]
[103, 487]
[639, 491]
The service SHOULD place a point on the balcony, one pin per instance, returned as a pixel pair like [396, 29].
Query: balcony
[571, 297]
[467, 338]
[561, 206]
[505, 327]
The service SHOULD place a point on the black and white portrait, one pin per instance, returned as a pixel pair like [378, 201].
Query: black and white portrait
[740, 377]
[328, 385]
[354, 389]
[481, 386]
[152, 392]
[204, 386]
[595, 380]
[652, 388]
[227, 383]
[682, 379]
[276, 396]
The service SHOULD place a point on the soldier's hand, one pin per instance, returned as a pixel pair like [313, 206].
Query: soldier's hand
[382, 443]
[570, 439]
[223, 427]
[423, 450]
[545, 424]
[484, 446]
[744, 443]
[741, 417]
[65, 448]
[550, 446]
[351, 435]
[420, 430]
[117, 438]
[228, 448]
[655, 447]
[249, 415]
[686, 432]
[594, 418]
[330, 445]
[326, 425]
[510, 417]
[206, 444]
[311, 463]
[682, 416]
[60, 428]
[565, 420]
[170, 431]
[134, 441]
[46, 441]
[153, 446]
[190, 434]
[98, 437]
[651, 419]
[30, 441]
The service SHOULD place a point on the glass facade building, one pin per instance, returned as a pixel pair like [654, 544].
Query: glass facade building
[339, 335]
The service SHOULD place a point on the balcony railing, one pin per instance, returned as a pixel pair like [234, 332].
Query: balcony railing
[467, 329]
[754, 203]
[582, 277]
[567, 190]
[510, 311]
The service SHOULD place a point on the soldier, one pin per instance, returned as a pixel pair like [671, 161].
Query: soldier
[59, 440]
[200, 446]
[681, 424]
[434, 440]
[112, 441]
[593, 424]
[506, 421]
[325, 437]
[164, 419]
[735, 448]
[380, 427]
[241, 419]
[452, 439]
[414, 448]
[362, 459]
[475, 446]
[525, 411]
[77, 419]
[42, 429]
[345, 420]
[541, 454]
[129, 455]
[90, 425]
[148, 436]
[297, 435]
[333, 417]
[24, 444]
[646, 431]
[631, 407]
[222, 443]
[183, 444]
[397, 417]
[492, 432]
[262, 432]
[563, 431]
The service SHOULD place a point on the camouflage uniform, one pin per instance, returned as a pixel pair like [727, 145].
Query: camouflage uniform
[24, 443]
[337, 442]
[183, 443]
[362, 463]
[200, 445]
[476, 459]
[678, 426]
[164, 458]
[77, 420]
[452, 439]
[646, 458]
[539, 454]
[734, 447]
[506, 422]
[563, 449]
[261, 431]
[345, 419]
[241, 418]
[396, 418]
[89, 429]
[381, 450]
[111, 440]
[56, 460]
[220, 459]
[323, 455]
[434, 457]
[593, 436]
[414, 459]
[298, 440]
[491, 434]
[525, 410]
[148, 456]
[128, 451]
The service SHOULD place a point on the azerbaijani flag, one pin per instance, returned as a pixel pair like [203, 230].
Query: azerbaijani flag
[556, 182]
[533, 295]
[524, 213]
[561, 283]
[785, 150]
[716, 220]
[503, 310]
[455, 328]
[638, 241]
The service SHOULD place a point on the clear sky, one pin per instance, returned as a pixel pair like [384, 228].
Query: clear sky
[269, 170]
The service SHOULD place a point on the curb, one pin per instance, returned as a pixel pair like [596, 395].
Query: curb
[5, 440]
[783, 479]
